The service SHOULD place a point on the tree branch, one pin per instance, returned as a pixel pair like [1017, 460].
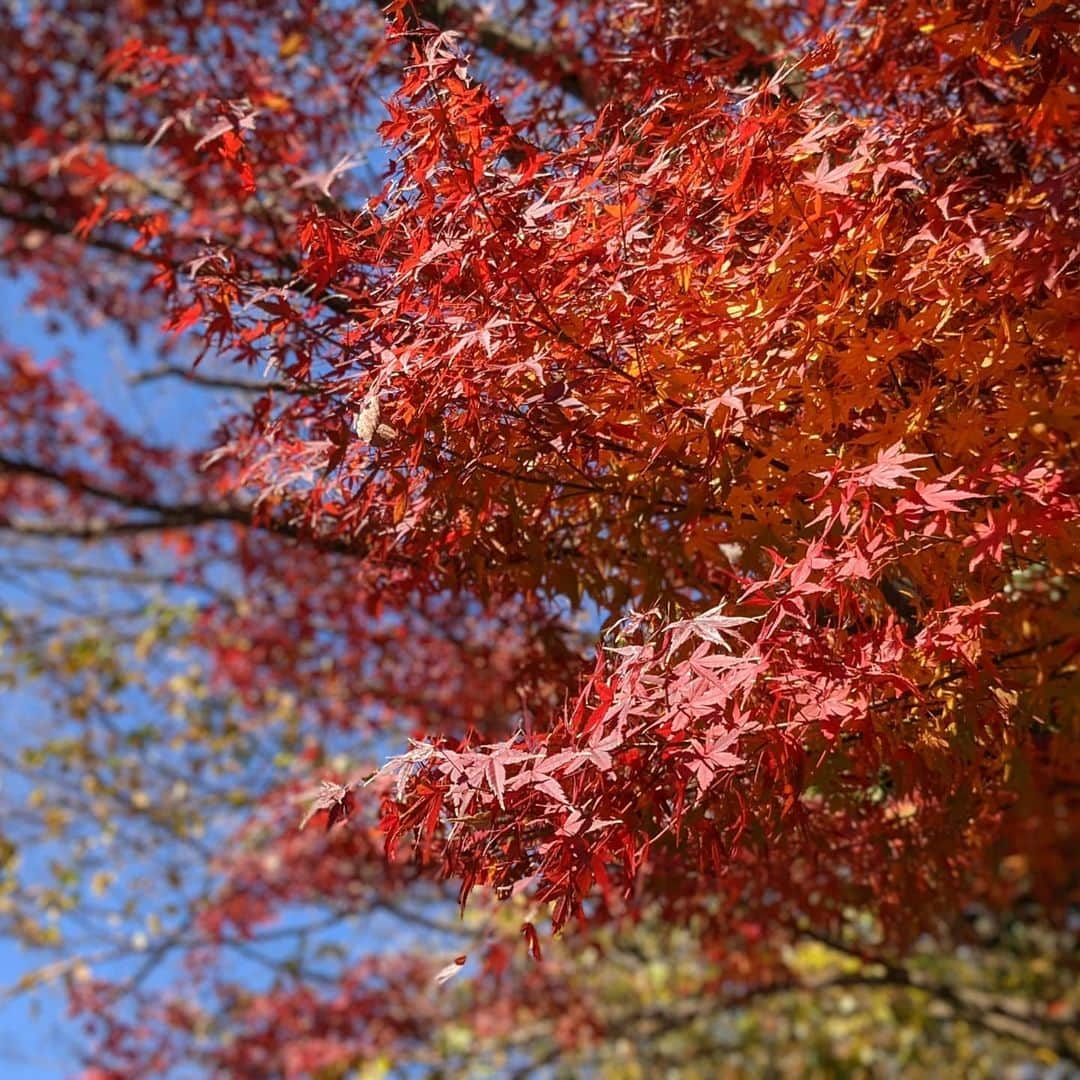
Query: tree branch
[500, 40]
[168, 516]
[1038, 1032]
[248, 386]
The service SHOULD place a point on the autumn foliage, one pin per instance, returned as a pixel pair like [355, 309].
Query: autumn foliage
[648, 495]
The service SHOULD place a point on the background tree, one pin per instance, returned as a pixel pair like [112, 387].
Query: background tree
[652, 428]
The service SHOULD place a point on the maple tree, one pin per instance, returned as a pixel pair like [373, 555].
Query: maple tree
[641, 504]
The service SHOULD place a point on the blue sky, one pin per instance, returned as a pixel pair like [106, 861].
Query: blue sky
[37, 1039]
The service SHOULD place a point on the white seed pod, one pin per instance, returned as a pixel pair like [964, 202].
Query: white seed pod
[366, 420]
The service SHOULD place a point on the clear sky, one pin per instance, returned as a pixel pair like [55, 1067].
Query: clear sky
[37, 1039]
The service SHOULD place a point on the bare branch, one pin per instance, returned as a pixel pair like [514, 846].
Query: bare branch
[556, 69]
[166, 516]
[198, 378]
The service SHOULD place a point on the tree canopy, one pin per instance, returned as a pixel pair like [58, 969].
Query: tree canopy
[606, 468]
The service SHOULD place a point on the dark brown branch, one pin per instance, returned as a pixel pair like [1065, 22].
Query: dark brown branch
[46, 222]
[183, 513]
[198, 378]
[682, 1014]
[500, 40]
[333, 301]
[166, 516]
[990, 1015]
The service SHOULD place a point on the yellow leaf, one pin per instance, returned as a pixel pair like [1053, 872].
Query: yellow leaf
[291, 44]
[275, 102]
